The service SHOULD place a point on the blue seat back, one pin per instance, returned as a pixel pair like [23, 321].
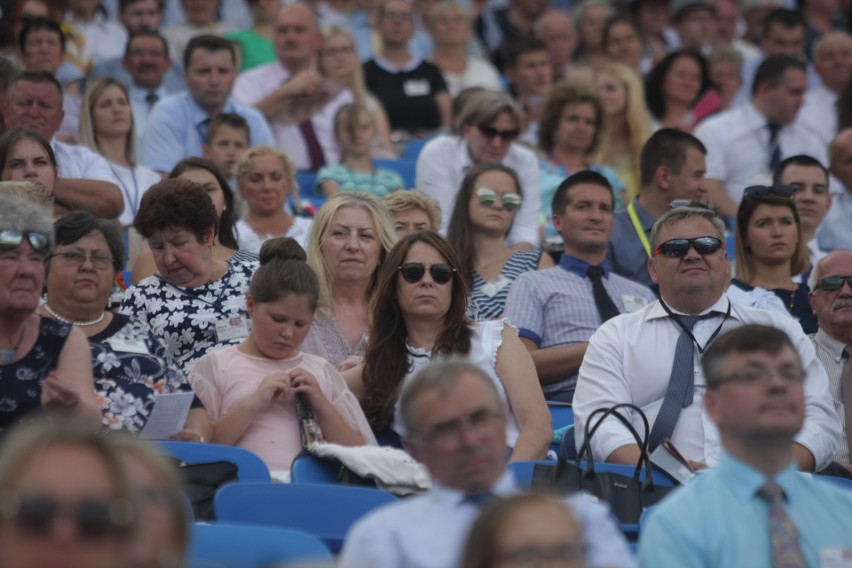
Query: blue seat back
[405, 168]
[323, 510]
[248, 546]
[308, 468]
[249, 466]
[562, 414]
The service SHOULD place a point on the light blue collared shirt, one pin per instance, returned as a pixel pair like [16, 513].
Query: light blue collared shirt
[719, 520]
[177, 125]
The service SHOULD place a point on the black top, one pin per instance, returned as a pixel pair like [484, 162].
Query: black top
[796, 301]
[408, 96]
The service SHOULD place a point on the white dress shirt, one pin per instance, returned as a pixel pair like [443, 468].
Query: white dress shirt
[738, 151]
[141, 109]
[819, 114]
[429, 531]
[630, 358]
[255, 84]
[105, 38]
[445, 160]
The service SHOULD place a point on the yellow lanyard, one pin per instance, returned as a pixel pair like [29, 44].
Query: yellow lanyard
[637, 226]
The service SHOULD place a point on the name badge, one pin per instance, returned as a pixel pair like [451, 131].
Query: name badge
[231, 328]
[416, 88]
[128, 346]
[633, 303]
[835, 558]
[491, 288]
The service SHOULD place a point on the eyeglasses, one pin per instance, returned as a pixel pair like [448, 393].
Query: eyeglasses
[758, 191]
[491, 133]
[488, 197]
[13, 239]
[335, 51]
[93, 518]
[760, 375]
[412, 272]
[77, 258]
[832, 283]
[450, 433]
[677, 248]
[534, 557]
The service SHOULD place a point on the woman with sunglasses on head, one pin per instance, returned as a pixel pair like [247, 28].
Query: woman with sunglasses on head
[770, 251]
[131, 365]
[419, 313]
[65, 498]
[486, 204]
[43, 363]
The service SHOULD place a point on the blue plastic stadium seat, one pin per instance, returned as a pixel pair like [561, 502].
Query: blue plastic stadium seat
[248, 546]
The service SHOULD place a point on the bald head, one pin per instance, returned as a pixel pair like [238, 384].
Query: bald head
[557, 30]
[840, 157]
[297, 36]
[832, 57]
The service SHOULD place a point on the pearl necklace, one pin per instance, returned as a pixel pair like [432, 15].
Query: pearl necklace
[56, 316]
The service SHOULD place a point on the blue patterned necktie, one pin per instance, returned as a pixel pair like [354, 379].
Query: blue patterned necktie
[786, 552]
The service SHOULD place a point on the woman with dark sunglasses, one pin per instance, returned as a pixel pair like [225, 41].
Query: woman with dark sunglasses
[418, 313]
[43, 363]
[770, 251]
[485, 209]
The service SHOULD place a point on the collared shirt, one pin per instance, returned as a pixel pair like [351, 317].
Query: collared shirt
[78, 162]
[140, 107]
[829, 351]
[835, 232]
[630, 359]
[556, 306]
[819, 114]
[719, 520]
[625, 251]
[429, 531]
[738, 153]
[255, 84]
[177, 126]
[172, 80]
[445, 160]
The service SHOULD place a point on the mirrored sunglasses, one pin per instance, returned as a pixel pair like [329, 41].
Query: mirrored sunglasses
[677, 248]
[488, 197]
[412, 272]
[832, 283]
[13, 239]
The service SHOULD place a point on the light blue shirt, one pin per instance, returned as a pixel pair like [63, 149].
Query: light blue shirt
[177, 125]
[836, 230]
[718, 520]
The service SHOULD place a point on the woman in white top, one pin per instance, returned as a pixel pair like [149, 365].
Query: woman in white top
[106, 127]
[265, 180]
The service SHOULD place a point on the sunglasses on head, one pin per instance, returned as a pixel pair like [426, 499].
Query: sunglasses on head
[505, 135]
[832, 283]
[757, 191]
[488, 197]
[677, 248]
[412, 272]
[92, 518]
[13, 239]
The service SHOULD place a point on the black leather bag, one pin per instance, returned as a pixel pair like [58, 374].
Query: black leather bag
[627, 496]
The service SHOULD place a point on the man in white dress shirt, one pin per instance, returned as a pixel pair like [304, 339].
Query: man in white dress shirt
[85, 180]
[489, 124]
[631, 358]
[455, 425]
[745, 144]
[832, 58]
[296, 100]
[836, 231]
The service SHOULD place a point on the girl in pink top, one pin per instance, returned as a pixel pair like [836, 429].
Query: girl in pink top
[249, 388]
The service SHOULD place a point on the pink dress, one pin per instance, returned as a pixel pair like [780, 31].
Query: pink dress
[226, 377]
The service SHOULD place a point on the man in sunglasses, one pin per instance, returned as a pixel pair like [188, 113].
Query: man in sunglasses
[650, 357]
[490, 123]
[455, 425]
[831, 299]
[558, 309]
[755, 509]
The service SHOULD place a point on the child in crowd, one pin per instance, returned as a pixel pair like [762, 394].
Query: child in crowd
[249, 389]
[355, 132]
[227, 138]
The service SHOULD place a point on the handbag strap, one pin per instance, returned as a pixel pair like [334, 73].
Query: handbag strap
[309, 430]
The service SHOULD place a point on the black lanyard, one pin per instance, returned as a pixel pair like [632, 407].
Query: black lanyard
[688, 331]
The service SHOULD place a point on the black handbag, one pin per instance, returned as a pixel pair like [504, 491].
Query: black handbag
[201, 481]
[627, 496]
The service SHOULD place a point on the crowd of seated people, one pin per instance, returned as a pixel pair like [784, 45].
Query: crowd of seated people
[252, 201]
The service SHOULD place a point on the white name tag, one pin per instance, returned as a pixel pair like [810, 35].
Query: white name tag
[633, 303]
[491, 288]
[128, 346]
[416, 88]
[835, 558]
[231, 328]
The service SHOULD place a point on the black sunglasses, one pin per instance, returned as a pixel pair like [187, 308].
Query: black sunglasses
[780, 190]
[505, 135]
[93, 518]
[832, 283]
[412, 272]
[13, 239]
[677, 248]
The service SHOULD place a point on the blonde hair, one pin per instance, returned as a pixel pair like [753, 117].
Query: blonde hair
[88, 136]
[358, 87]
[399, 201]
[244, 165]
[319, 228]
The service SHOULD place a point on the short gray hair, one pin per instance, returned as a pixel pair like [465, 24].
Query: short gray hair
[441, 376]
[678, 214]
[19, 214]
